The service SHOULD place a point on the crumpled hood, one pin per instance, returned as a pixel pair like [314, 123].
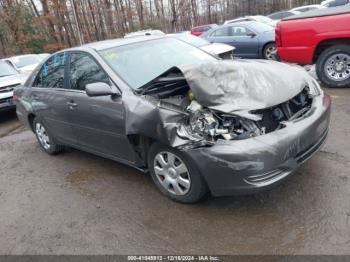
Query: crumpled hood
[237, 87]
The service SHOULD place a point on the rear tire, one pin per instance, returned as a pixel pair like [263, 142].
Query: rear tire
[333, 66]
[45, 139]
[174, 175]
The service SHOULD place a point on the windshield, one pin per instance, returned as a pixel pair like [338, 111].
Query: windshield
[22, 61]
[140, 63]
[6, 70]
[193, 40]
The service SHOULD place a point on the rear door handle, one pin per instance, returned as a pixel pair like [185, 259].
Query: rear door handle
[71, 104]
[35, 97]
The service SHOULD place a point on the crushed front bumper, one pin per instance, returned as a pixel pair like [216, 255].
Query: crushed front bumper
[251, 165]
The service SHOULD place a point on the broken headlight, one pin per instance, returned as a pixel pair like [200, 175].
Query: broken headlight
[204, 124]
[315, 88]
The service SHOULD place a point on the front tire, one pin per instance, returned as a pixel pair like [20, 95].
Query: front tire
[333, 66]
[46, 141]
[174, 175]
[269, 51]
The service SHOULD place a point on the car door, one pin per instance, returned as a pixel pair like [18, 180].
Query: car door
[98, 122]
[245, 41]
[221, 35]
[238, 36]
[49, 98]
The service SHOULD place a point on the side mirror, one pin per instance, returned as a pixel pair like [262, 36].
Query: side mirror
[251, 34]
[99, 89]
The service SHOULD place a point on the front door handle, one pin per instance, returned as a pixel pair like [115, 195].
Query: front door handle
[35, 97]
[72, 104]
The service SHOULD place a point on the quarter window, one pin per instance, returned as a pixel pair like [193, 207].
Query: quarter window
[84, 70]
[51, 75]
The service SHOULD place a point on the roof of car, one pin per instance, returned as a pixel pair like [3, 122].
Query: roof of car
[17, 56]
[105, 44]
[241, 23]
[321, 12]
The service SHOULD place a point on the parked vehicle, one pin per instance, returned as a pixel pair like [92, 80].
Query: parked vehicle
[9, 79]
[199, 30]
[24, 63]
[144, 33]
[221, 50]
[321, 37]
[257, 18]
[283, 14]
[197, 123]
[251, 39]
[306, 8]
[334, 3]
[44, 55]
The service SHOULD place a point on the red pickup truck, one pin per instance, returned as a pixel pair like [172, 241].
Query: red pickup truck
[320, 37]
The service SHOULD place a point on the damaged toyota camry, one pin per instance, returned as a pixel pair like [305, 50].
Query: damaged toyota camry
[196, 123]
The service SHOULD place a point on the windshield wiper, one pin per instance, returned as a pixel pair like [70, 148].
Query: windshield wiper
[167, 83]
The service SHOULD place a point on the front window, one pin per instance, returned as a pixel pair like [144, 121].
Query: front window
[84, 70]
[22, 61]
[239, 31]
[140, 63]
[6, 70]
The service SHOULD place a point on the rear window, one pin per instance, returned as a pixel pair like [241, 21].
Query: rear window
[220, 32]
[51, 74]
[201, 29]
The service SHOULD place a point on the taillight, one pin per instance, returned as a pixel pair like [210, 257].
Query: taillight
[278, 34]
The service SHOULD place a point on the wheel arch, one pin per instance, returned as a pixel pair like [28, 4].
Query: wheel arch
[31, 118]
[141, 145]
[264, 46]
[323, 45]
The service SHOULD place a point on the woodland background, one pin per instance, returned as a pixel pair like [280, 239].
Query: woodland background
[35, 26]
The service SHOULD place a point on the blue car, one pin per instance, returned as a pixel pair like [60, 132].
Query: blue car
[251, 39]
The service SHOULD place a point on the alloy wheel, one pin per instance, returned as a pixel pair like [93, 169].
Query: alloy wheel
[172, 173]
[269, 52]
[337, 67]
[42, 136]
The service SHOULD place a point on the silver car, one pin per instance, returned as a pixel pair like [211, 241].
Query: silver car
[196, 123]
[24, 63]
[9, 79]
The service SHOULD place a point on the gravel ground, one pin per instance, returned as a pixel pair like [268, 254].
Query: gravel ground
[77, 203]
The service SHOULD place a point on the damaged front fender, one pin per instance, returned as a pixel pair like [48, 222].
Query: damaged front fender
[145, 116]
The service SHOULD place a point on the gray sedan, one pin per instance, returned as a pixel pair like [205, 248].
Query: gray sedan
[251, 39]
[196, 123]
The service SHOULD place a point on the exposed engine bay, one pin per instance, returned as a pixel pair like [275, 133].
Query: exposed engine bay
[203, 124]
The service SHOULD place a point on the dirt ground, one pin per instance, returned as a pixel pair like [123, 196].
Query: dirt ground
[77, 203]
